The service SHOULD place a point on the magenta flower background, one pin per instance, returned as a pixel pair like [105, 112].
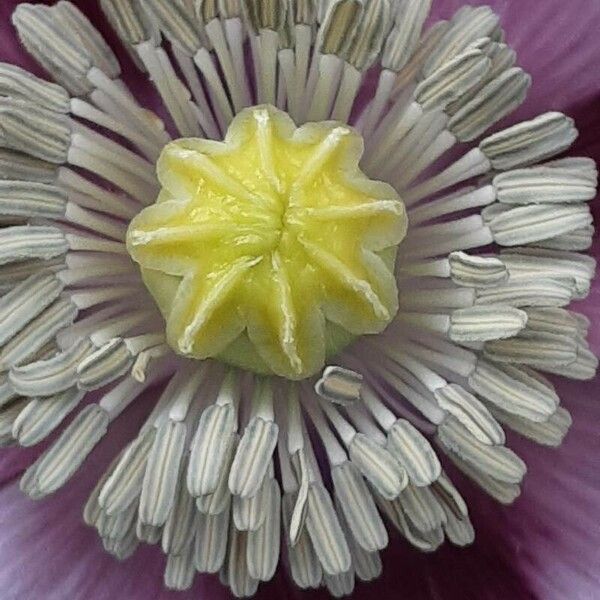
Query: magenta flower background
[545, 547]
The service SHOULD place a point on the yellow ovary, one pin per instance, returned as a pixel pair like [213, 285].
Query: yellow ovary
[270, 250]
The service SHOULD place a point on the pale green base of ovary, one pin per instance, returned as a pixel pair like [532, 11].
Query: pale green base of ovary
[243, 354]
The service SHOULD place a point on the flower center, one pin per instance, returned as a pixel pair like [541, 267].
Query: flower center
[270, 250]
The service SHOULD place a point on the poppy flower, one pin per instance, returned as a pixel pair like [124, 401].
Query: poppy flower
[289, 292]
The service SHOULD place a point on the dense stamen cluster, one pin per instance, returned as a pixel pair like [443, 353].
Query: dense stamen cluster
[224, 472]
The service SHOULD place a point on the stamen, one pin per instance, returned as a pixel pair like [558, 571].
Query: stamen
[496, 461]
[402, 41]
[534, 222]
[262, 553]
[220, 500]
[212, 438]
[358, 507]
[51, 376]
[26, 301]
[468, 25]
[28, 128]
[17, 166]
[339, 385]
[256, 446]
[101, 54]
[485, 323]
[250, 513]
[511, 389]
[471, 413]
[68, 62]
[179, 572]
[38, 332]
[65, 456]
[124, 481]
[238, 578]
[210, 546]
[304, 565]
[476, 271]
[325, 531]
[422, 508]
[106, 364]
[178, 532]
[530, 142]
[162, 471]
[21, 85]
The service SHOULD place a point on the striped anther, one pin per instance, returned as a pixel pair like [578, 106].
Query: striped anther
[210, 544]
[78, 25]
[19, 84]
[340, 585]
[536, 291]
[249, 513]
[357, 504]
[477, 271]
[252, 457]
[527, 263]
[124, 482]
[325, 531]
[496, 100]
[513, 390]
[501, 491]
[31, 241]
[451, 80]
[31, 199]
[530, 142]
[37, 333]
[405, 34]
[104, 365]
[471, 413]
[8, 414]
[340, 26]
[304, 565]
[42, 133]
[238, 577]
[52, 44]
[180, 571]
[486, 322]
[535, 348]
[449, 497]
[377, 465]
[26, 301]
[498, 462]
[172, 19]
[16, 166]
[209, 448]
[339, 385]
[178, 532]
[162, 470]
[263, 543]
[414, 453]
[561, 182]
[130, 21]
[66, 455]
[220, 500]
[43, 415]
[549, 433]
[534, 222]
[467, 26]
[369, 38]
[422, 508]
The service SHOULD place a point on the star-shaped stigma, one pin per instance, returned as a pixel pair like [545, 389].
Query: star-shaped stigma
[270, 250]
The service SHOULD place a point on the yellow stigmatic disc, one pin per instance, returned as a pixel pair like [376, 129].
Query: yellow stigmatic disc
[270, 250]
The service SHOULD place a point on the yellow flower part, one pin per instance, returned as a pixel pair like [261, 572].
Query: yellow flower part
[270, 250]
